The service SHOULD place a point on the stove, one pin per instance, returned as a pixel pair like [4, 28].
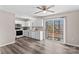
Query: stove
[19, 33]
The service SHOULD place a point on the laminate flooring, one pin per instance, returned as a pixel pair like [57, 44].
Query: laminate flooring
[26, 45]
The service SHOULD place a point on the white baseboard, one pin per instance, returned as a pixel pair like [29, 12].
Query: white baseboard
[7, 44]
[70, 44]
[19, 36]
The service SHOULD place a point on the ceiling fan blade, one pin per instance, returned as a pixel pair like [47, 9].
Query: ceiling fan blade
[50, 11]
[39, 8]
[37, 12]
[50, 6]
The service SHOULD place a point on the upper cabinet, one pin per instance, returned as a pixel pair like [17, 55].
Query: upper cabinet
[28, 23]
[23, 23]
[20, 22]
[37, 23]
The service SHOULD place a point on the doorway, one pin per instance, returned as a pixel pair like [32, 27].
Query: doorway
[55, 29]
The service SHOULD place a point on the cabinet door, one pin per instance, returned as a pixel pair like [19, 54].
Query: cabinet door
[37, 35]
[30, 34]
[26, 33]
[27, 23]
[20, 22]
[37, 23]
[34, 23]
[33, 34]
[23, 33]
[23, 23]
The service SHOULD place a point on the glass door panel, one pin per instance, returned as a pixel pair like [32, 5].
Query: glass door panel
[55, 29]
[50, 29]
[58, 29]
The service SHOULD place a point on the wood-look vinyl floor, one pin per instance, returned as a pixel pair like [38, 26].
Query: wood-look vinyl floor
[31, 46]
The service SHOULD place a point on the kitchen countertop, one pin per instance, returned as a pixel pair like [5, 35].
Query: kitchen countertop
[34, 30]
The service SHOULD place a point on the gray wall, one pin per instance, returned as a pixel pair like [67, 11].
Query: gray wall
[0, 50]
[72, 26]
[7, 28]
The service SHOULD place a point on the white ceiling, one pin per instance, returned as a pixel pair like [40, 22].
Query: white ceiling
[29, 10]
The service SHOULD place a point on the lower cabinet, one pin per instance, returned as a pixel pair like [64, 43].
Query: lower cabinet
[37, 35]
[30, 35]
[25, 33]
[34, 34]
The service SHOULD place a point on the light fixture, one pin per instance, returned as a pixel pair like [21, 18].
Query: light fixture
[44, 11]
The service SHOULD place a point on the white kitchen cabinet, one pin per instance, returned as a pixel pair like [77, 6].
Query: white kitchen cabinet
[20, 22]
[30, 34]
[25, 33]
[23, 23]
[33, 34]
[27, 23]
[37, 35]
[41, 35]
[37, 23]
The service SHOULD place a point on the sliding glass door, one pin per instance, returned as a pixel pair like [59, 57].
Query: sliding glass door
[50, 29]
[55, 29]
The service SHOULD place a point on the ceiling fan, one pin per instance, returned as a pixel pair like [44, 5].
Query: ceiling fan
[44, 9]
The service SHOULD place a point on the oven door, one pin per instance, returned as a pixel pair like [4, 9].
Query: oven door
[19, 32]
